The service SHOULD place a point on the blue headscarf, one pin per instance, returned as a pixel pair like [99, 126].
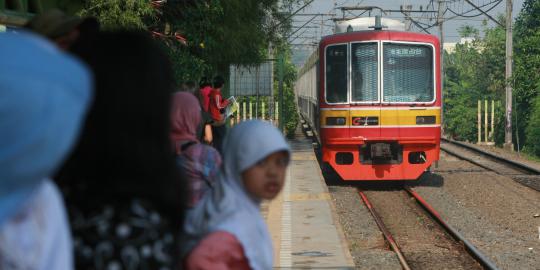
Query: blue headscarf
[229, 207]
[44, 94]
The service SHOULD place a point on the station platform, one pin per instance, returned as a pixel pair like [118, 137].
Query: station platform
[302, 220]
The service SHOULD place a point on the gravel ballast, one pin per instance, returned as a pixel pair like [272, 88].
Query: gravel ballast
[493, 212]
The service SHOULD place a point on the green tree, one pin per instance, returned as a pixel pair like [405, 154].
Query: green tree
[120, 14]
[475, 71]
[480, 75]
[461, 91]
[290, 111]
[468, 31]
[218, 33]
[526, 79]
[221, 33]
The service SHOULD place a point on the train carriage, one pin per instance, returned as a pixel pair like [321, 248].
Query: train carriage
[374, 100]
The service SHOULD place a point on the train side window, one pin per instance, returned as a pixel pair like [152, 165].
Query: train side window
[364, 72]
[408, 73]
[336, 74]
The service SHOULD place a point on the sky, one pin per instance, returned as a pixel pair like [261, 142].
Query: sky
[319, 26]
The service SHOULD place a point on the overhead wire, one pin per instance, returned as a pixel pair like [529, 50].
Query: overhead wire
[479, 14]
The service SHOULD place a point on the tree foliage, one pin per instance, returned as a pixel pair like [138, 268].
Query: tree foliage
[120, 14]
[214, 34]
[224, 32]
[533, 129]
[290, 111]
[217, 32]
[526, 79]
[477, 74]
[474, 71]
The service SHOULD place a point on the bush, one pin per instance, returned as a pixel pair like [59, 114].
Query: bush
[533, 130]
[460, 123]
[500, 124]
[290, 112]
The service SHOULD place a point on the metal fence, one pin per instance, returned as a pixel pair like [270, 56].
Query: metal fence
[253, 87]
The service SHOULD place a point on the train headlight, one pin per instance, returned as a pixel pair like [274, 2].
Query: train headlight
[335, 121]
[425, 120]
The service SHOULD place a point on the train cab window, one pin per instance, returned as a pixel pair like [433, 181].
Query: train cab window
[364, 72]
[336, 73]
[407, 73]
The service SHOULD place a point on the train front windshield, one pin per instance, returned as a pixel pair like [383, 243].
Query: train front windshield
[407, 73]
[336, 73]
[364, 70]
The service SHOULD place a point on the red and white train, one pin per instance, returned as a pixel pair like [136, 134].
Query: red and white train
[373, 98]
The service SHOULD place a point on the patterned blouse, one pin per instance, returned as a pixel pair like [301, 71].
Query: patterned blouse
[129, 236]
[200, 164]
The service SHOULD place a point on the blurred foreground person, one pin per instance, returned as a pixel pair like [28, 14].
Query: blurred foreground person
[123, 191]
[226, 230]
[67, 32]
[41, 110]
[199, 162]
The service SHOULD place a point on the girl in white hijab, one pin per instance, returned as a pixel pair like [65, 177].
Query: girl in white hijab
[226, 230]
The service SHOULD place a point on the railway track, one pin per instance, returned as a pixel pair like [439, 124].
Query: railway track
[521, 173]
[421, 240]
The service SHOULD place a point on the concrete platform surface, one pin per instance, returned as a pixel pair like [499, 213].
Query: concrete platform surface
[302, 220]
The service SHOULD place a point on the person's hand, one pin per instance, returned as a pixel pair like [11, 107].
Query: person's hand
[208, 138]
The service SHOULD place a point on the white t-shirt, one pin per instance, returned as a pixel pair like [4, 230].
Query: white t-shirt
[38, 237]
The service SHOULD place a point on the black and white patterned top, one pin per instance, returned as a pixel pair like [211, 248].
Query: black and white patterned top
[129, 236]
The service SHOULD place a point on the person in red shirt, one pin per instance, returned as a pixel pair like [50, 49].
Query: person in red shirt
[216, 103]
[216, 107]
[205, 87]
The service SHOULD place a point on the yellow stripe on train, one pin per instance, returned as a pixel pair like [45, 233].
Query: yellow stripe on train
[386, 117]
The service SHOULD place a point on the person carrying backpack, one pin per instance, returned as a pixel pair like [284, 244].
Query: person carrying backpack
[199, 162]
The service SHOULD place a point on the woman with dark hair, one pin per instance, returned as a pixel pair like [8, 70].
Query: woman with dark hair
[124, 194]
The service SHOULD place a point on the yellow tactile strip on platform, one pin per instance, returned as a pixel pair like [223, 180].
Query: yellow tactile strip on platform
[303, 156]
[309, 196]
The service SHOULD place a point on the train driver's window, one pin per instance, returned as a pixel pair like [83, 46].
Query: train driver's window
[336, 74]
[407, 73]
[364, 72]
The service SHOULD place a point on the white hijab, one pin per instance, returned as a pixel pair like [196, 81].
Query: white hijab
[229, 207]
[38, 236]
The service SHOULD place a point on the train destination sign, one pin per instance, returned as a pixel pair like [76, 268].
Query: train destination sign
[407, 52]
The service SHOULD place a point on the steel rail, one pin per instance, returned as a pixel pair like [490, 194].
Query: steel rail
[521, 166]
[386, 233]
[485, 262]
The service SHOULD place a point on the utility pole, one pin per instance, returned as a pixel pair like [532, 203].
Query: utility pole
[281, 67]
[322, 25]
[440, 20]
[508, 75]
[408, 21]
